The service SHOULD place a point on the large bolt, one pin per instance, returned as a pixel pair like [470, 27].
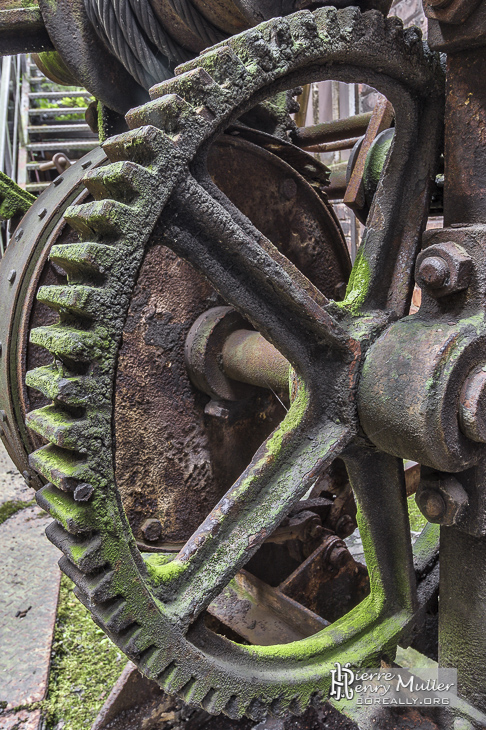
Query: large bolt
[433, 272]
[442, 500]
[345, 526]
[472, 406]
[152, 530]
[432, 505]
[443, 268]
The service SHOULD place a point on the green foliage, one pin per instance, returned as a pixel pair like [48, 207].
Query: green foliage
[84, 665]
[417, 520]
[7, 509]
[67, 101]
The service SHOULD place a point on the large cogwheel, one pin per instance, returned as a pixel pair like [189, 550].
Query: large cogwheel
[157, 184]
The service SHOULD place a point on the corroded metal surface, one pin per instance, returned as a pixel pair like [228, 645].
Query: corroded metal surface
[157, 245]
[171, 451]
[150, 605]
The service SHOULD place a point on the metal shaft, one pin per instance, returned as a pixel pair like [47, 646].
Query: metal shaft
[250, 358]
[332, 131]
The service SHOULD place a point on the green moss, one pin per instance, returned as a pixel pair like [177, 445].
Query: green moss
[13, 199]
[417, 520]
[84, 666]
[358, 284]
[7, 509]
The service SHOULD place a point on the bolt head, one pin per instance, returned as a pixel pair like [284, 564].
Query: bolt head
[11, 276]
[345, 526]
[432, 505]
[217, 410]
[442, 500]
[443, 268]
[152, 530]
[433, 272]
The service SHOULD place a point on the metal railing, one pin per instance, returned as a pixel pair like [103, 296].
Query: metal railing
[10, 130]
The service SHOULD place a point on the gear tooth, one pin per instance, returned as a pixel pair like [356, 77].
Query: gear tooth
[224, 67]
[67, 343]
[279, 707]
[348, 18]
[234, 707]
[153, 661]
[213, 702]
[166, 673]
[65, 469]
[197, 81]
[193, 691]
[134, 642]
[174, 678]
[169, 86]
[173, 115]
[73, 517]
[97, 588]
[255, 52]
[123, 181]
[394, 26]
[198, 89]
[100, 219]
[296, 706]
[143, 146]
[327, 22]
[78, 299]
[115, 615]
[74, 391]
[59, 427]
[413, 38]
[81, 260]
[85, 553]
[303, 28]
[256, 710]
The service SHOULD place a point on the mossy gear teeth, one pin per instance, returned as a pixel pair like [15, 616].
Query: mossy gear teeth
[149, 620]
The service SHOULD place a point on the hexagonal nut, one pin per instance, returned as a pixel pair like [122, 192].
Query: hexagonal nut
[442, 500]
[443, 268]
[152, 530]
[450, 11]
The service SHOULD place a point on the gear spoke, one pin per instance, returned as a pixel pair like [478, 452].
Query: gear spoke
[282, 470]
[378, 481]
[252, 275]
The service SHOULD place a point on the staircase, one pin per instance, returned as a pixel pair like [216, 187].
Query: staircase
[53, 131]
